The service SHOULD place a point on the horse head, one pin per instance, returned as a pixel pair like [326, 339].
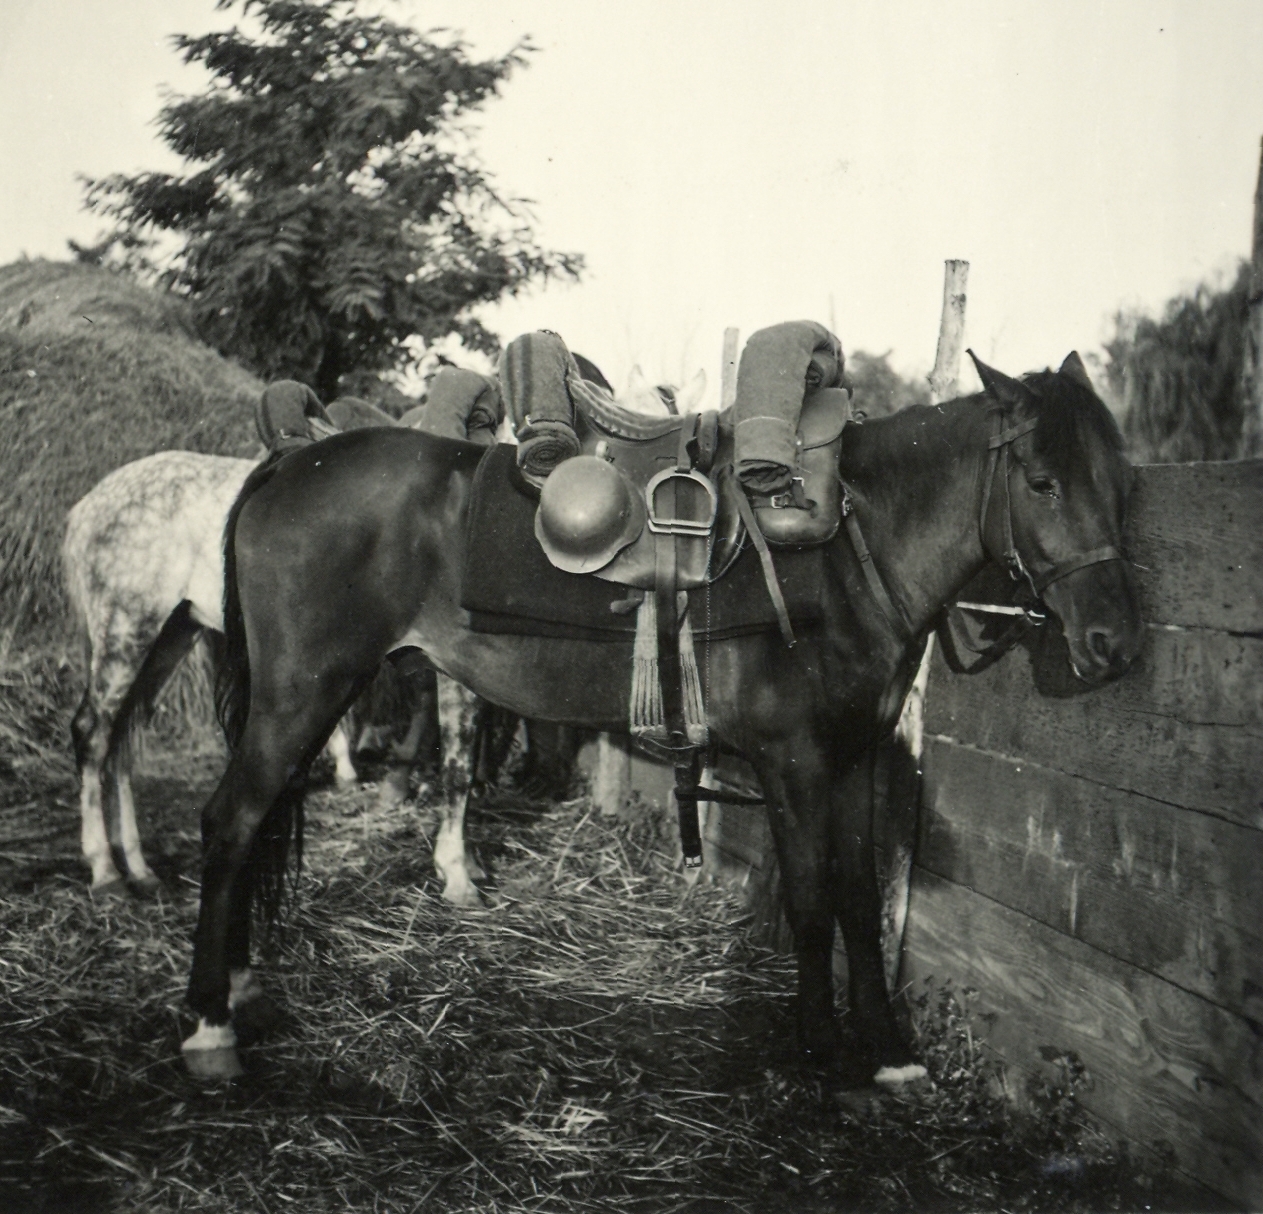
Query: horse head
[1053, 510]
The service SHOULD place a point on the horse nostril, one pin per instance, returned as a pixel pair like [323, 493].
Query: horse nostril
[1102, 645]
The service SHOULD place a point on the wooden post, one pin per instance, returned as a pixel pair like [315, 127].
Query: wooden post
[728, 373]
[1252, 368]
[727, 397]
[611, 782]
[903, 758]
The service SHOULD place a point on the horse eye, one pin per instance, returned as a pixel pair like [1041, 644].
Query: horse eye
[1044, 484]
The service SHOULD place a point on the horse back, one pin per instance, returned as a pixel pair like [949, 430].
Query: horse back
[356, 529]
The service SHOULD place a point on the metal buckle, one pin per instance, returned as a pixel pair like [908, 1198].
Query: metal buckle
[680, 526]
[782, 501]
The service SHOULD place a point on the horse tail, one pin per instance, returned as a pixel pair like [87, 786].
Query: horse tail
[232, 676]
[267, 868]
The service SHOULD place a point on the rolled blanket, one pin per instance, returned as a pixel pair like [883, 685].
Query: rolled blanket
[542, 446]
[289, 415]
[460, 404]
[537, 373]
[778, 365]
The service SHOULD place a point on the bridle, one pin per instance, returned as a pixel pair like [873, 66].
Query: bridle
[1039, 580]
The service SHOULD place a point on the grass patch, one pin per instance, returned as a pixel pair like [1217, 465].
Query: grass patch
[599, 1034]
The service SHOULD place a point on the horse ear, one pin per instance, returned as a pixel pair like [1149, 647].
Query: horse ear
[687, 399]
[1074, 368]
[637, 384]
[1003, 389]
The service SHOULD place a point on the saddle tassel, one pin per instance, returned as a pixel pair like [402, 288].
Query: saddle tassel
[646, 715]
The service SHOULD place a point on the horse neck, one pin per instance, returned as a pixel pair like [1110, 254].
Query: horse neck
[916, 481]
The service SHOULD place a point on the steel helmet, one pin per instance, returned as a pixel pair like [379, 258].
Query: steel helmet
[588, 513]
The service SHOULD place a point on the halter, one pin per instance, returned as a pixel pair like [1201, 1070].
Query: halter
[997, 455]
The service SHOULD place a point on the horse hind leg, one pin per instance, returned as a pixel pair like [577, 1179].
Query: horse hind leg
[170, 647]
[139, 872]
[91, 735]
[247, 830]
[458, 716]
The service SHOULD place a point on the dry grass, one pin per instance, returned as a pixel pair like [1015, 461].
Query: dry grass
[95, 371]
[599, 1035]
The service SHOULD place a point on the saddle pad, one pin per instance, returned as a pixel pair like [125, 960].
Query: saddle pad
[509, 586]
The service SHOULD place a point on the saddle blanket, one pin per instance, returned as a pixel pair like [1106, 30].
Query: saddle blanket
[509, 585]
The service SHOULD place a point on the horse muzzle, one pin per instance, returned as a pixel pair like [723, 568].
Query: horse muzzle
[1100, 617]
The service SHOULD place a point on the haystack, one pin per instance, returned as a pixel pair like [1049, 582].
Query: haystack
[95, 371]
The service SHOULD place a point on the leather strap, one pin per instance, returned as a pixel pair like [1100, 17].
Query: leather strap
[1095, 557]
[769, 569]
[683, 755]
[876, 586]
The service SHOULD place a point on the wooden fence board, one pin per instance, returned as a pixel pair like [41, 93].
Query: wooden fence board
[1173, 893]
[1184, 726]
[1193, 532]
[1168, 1066]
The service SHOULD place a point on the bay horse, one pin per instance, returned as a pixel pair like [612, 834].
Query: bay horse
[1029, 473]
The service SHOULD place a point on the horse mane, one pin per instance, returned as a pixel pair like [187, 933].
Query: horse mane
[1071, 416]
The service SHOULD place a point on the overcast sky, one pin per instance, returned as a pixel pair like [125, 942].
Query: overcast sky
[743, 163]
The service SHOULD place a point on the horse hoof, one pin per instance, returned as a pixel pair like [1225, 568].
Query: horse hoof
[346, 783]
[211, 1052]
[465, 895]
[114, 887]
[897, 1078]
[213, 1065]
[147, 886]
[391, 793]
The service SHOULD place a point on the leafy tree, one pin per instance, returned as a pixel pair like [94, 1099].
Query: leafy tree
[332, 209]
[1178, 379]
[879, 388]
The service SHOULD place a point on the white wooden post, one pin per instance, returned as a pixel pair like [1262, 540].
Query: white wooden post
[611, 782]
[727, 396]
[911, 728]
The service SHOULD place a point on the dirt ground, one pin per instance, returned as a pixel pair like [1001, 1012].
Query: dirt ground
[600, 1032]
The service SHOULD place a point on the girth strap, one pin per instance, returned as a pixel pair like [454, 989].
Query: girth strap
[683, 755]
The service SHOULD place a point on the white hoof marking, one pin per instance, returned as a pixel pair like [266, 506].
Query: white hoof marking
[462, 892]
[210, 1037]
[897, 1076]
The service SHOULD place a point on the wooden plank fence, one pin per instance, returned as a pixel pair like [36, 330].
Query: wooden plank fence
[1093, 864]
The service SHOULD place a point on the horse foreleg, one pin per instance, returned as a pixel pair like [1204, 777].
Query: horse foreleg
[394, 787]
[338, 748]
[859, 912]
[458, 713]
[799, 800]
